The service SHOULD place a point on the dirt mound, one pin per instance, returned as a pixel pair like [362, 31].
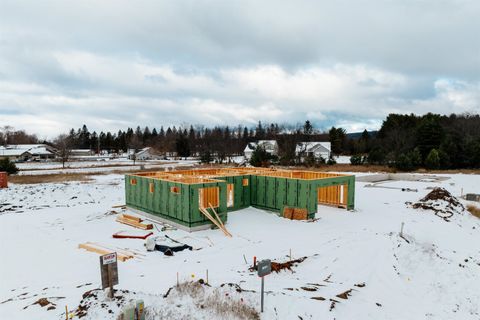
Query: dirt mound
[441, 202]
[279, 266]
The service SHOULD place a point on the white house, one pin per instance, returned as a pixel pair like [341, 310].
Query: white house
[34, 151]
[14, 154]
[144, 154]
[270, 147]
[316, 149]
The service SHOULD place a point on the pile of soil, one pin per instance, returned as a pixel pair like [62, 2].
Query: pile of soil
[441, 202]
[279, 266]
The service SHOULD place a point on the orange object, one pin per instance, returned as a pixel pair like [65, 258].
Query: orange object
[3, 180]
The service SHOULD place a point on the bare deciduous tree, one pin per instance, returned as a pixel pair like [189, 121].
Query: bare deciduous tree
[64, 144]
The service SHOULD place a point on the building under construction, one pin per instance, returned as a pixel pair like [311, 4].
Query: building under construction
[190, 198]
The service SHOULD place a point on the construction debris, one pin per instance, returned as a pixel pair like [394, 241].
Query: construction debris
[345, 295]
[216, 222]
[165, 247]
[441, 202]
[134, 222]
[279, 266]
[132, 234]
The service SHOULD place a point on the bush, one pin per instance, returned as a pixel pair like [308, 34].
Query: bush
[415, 158]
[206, 157]
[376, 156]
[261, 158]
[331, 161]
[433, 160]
[8, 166]
[356, 160]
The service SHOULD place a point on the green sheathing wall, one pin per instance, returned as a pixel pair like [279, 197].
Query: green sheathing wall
[162, 202]
[270, 193]
[241, 193]
[347, 180]
[273, 193]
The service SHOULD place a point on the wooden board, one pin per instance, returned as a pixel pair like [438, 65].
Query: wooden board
[132, 234]
[103, 250]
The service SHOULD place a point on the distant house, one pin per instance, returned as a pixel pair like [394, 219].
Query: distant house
[316, 149]
[17, 155]
[33, 151]
[270, 146]
[144, 154]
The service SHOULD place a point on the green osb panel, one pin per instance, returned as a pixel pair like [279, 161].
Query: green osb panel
[281, 193]
[292, 197]
[270, 192]
[253, 190]
[303, 193]
[261, 189]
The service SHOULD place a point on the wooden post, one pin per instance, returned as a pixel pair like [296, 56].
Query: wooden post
[207, 276]
[177, 280]
[110, 282]
[66, 312]
[401, 230]
[290, 254]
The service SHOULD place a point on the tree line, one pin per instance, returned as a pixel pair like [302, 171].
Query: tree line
[432, 141]
[404, 141]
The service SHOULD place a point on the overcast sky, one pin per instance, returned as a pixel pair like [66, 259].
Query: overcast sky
[114, 64]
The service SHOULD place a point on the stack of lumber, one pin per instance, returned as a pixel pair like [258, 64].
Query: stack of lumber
[295, 213]
[216, 221]
[134, 222]
[122, 255]
[300, 214]
[288, 213]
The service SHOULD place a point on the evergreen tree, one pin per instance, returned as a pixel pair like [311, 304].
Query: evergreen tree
[433, 160]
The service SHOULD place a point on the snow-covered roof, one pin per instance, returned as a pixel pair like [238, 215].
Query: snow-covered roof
[313, 147]
[34, 149]
[144, 150]
[267, 144]
[12, 152]
[81, 151]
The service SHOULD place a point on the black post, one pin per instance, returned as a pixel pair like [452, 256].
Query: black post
[261, 310]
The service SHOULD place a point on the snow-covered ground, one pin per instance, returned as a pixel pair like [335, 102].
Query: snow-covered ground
[343, 159]
[436, 275]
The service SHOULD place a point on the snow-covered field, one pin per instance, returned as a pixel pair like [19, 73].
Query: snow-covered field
[35, 168]
[435, 275]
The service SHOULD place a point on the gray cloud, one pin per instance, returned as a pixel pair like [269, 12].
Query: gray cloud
[112, 64]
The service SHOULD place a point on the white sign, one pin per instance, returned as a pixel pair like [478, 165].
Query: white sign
[109, 258]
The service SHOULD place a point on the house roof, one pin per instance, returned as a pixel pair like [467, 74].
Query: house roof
[12, 152]
[313, 147]
[33, 149]
[267, 144]
[143, 151]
